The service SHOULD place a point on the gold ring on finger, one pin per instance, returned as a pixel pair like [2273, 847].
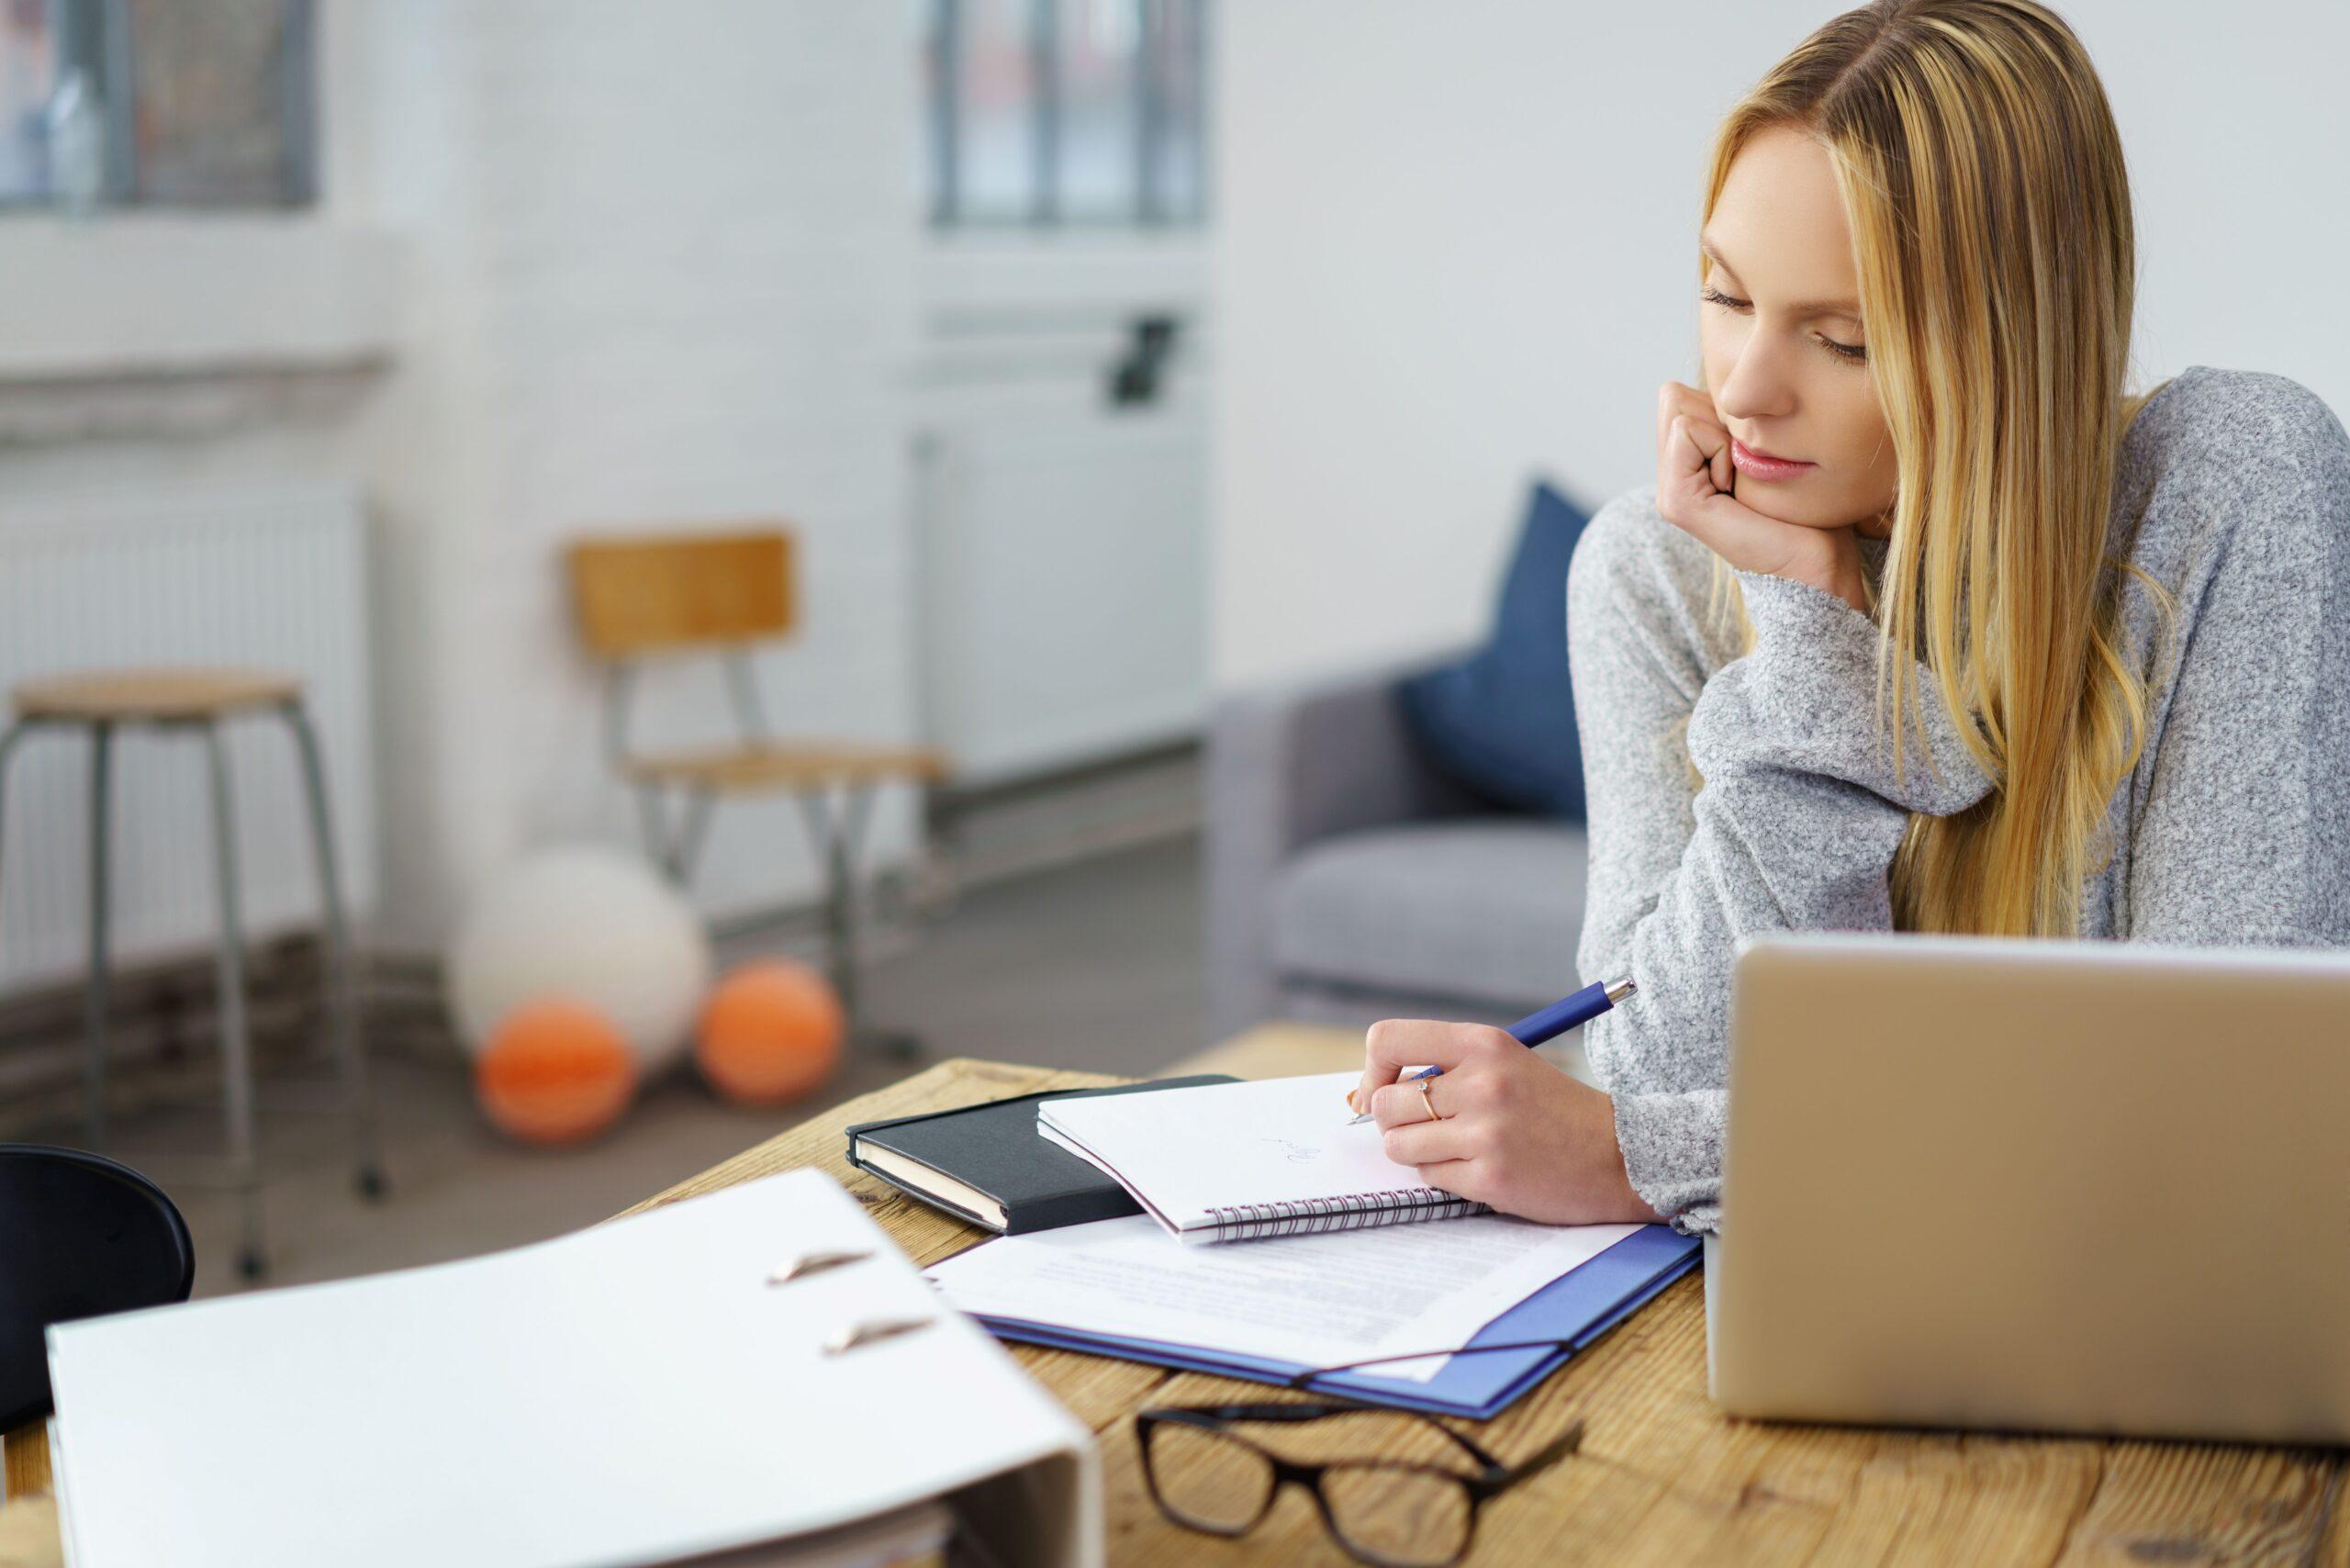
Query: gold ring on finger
[1427, 1098]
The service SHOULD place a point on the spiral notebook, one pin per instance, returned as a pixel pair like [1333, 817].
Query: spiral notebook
[1247, 1162]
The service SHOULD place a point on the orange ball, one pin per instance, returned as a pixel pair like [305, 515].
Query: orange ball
[770, 1033]
[555, 1072]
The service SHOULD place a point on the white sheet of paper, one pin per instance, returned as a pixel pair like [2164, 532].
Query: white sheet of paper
[1318, 1300]
[1185, 1152]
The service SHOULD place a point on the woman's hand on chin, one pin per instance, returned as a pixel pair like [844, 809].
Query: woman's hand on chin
[1509, 1129]
[1694, 480]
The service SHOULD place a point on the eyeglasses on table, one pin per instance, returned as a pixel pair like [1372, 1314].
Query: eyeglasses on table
[1388, 1513]
[1423, 1519]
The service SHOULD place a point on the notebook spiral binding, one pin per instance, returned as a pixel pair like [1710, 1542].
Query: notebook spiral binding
[1358, 1211]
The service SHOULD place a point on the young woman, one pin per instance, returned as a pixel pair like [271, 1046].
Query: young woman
[1925, 625]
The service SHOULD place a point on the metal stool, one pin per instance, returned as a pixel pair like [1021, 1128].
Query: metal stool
[197, 701]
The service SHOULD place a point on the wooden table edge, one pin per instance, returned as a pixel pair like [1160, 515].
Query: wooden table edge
[1699, 1484]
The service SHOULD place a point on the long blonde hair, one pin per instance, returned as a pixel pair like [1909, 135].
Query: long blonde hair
[1983, 181]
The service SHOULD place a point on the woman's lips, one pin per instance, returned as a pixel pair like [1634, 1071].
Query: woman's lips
[1754, 466]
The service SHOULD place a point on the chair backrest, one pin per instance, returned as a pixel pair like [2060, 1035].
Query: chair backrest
[80, 1235]
[672, 592]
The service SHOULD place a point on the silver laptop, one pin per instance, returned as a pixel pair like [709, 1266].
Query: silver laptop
[2066, 1186]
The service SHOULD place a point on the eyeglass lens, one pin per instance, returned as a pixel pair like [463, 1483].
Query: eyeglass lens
[1208, 1480]
[1392, 1515]
[1411, 1518]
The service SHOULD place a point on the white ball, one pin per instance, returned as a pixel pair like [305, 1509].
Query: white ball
[590, 925]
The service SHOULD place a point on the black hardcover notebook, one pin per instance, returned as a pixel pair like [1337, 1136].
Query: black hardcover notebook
[988, 1164]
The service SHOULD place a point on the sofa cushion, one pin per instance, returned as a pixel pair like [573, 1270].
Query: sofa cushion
[1480, 908]
[1501, 722]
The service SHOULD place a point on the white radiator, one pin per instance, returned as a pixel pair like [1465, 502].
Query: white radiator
[1062, 544]
[273, 578]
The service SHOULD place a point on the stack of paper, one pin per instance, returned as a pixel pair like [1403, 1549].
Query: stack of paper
[1228, 1160]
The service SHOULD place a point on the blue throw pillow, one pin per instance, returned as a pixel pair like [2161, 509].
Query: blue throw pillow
[1501, 722]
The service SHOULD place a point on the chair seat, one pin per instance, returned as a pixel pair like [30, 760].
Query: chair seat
[1480, 909]
[785, 766]
[119, 696]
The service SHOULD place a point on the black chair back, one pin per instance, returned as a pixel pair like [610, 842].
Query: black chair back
[80, 1235]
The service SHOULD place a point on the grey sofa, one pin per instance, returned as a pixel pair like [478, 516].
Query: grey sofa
[1345, 881]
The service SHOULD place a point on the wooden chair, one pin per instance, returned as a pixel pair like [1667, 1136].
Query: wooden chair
[724, 595]
[101, 703]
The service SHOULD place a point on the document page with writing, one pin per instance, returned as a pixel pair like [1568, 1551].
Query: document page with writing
[1315, 1300]
[1186, 1153]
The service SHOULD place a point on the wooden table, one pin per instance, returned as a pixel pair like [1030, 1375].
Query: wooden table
[1663, 1477]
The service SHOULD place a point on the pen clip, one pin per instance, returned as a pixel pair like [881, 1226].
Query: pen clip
[808, 1263]
[857, 1336]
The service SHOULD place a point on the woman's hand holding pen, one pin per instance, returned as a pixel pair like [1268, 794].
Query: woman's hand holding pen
[1500, 1124]
[1695, 480]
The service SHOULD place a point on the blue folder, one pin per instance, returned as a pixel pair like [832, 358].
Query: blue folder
[1577, 1307]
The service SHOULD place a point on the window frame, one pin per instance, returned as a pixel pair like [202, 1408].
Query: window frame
[944, 46]
[94, 36]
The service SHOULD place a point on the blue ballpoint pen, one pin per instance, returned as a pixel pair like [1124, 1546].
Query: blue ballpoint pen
[1546, 1024]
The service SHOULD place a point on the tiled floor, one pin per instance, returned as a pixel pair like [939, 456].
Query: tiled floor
[1093, 965]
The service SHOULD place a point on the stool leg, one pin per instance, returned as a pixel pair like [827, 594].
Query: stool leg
[236, 1047]
[7, 750]
[342, 1001]
[7, 753]
[94, 986]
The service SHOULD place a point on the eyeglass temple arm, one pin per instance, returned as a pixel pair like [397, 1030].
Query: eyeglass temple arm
[1291, 1412]
[1495, 1469]
[1498, 1476]
[1565, 1443]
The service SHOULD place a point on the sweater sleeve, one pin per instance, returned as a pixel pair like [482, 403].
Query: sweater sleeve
[1793, 827]
[2241, 829]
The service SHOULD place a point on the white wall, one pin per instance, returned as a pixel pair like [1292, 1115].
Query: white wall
[590, 265]
[584, 265]
[1455, 247]
[1062, 535]
[662, 276]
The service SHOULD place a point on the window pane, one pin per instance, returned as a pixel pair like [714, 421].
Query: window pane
[26, 74]
[995, 168]
[1099, 129]
[222, 101]
[1178, 151]
[937, 143]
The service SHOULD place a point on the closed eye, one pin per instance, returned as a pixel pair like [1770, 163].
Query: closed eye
[1850, 353]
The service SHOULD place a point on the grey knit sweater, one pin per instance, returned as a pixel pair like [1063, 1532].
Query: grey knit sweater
[2233, 491]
